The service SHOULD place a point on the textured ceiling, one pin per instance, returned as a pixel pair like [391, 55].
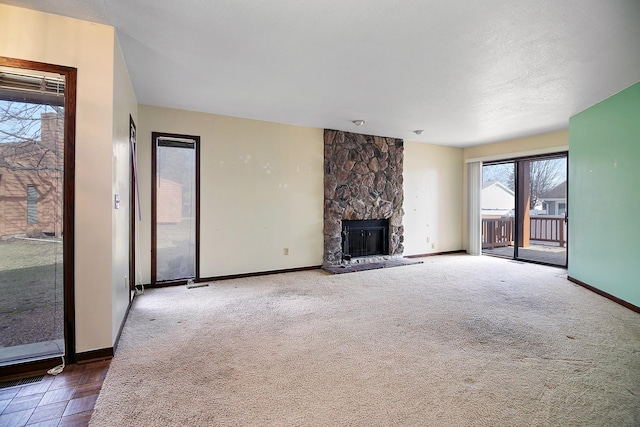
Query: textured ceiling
[467, 72]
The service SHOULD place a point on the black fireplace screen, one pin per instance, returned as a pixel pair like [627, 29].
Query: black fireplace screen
[365, 238]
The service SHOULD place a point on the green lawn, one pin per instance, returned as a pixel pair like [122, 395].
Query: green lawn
[31, 289]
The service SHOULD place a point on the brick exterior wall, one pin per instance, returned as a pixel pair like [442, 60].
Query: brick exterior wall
[40, 164]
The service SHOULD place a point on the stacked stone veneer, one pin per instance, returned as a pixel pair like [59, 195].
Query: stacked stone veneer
[362, 180]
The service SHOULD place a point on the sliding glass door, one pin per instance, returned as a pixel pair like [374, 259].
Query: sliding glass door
[524, 209]
[543, 195]
[175, 221]
[498, 204]
[36, 231]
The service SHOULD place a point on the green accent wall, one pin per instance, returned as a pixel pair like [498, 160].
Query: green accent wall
[604, 195]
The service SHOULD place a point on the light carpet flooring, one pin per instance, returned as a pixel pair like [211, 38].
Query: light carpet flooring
[455, 341]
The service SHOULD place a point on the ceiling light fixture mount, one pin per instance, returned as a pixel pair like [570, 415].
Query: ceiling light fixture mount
[418, 131]
[358, 122]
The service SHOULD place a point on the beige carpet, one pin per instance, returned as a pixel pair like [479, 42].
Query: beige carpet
[455, 341]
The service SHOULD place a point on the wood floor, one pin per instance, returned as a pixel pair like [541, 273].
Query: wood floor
[63, 400]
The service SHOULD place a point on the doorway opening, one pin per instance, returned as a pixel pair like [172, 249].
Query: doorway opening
[524, 209]
[175, 226]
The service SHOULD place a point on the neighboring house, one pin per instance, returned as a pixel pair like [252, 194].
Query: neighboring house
[31, 183]
[497, 199]
[554, 201]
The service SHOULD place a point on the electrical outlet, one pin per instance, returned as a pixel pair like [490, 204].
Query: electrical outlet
[428, 239]
[285, 251]
[433, 246]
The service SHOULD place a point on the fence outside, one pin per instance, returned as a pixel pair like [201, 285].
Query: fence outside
[498, 232]
[549, 229]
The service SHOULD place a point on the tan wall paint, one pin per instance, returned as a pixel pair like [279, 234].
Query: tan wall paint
[533, 145]
[432, 202]
[124, 104]
[35, 36]
[261, 191]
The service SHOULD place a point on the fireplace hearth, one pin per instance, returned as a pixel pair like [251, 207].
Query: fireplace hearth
[365, 238]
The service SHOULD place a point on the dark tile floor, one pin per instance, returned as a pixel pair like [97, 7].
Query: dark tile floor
[63, 400]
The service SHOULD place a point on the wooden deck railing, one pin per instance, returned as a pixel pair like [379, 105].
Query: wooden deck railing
[498, 232]
[549, 229]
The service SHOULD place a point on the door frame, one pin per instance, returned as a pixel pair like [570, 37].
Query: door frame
[133, 206]
[154, 212]
[68, 221]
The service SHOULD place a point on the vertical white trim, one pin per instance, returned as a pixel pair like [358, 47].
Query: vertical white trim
[474, 192]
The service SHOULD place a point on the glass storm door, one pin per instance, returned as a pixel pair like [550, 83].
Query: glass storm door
[175, 222]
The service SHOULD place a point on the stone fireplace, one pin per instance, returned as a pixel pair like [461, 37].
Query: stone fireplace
[363, 197]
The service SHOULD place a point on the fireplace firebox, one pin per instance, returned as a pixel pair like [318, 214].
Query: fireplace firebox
[362, 238]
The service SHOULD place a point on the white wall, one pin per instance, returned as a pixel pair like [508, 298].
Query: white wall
[89, 47]
[261, 191]
[432, 198]
[124, 105]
